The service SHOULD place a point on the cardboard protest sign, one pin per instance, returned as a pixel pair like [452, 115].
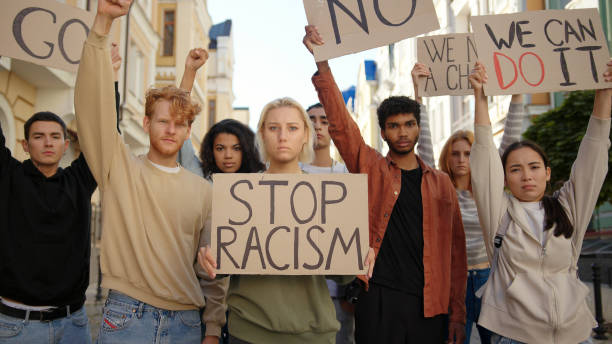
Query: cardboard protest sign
[44, 32]
[450, 59]
[350, 26]
[542, 51]
[290, 224]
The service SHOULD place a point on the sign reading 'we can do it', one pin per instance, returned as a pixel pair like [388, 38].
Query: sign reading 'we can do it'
[542, 51]
[290, 224]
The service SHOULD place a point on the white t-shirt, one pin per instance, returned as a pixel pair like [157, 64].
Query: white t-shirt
[166, 168]
[336, 167]
[535, 217]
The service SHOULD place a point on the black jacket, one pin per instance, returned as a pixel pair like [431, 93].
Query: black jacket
[45, 236]
[44, 231]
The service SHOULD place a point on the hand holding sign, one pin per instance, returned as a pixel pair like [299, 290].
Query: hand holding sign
[478, 78]
[312, 38]
[602, 105]
[419, 73]
[207, 261]
[369, 262]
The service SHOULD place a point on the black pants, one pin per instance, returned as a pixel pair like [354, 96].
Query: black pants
[385, 315]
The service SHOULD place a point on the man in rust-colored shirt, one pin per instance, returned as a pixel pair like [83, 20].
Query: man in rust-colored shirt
[416, 232]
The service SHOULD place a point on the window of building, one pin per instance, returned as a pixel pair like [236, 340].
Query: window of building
[168, 47]
[136, 72]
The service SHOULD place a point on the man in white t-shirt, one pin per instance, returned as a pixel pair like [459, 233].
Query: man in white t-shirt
[323, 163]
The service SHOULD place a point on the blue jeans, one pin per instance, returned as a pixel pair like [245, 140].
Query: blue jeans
[346, 335]
[127, 320]
[497, 339]
[476, 279]
[71, 329]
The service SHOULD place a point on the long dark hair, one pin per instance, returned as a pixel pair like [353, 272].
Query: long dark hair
[553, 211]
[246, 137]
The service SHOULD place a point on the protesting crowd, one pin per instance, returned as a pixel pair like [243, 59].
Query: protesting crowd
[476, 243]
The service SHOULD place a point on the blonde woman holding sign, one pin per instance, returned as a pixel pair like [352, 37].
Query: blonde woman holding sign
[534, 240]
[280, 309]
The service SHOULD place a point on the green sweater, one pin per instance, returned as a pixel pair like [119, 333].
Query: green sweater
[282, 309]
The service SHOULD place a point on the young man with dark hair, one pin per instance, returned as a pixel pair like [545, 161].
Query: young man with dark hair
[155, 213]
[416, 232]
[44, 238]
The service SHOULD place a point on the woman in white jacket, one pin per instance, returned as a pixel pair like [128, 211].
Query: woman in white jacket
[534, 294]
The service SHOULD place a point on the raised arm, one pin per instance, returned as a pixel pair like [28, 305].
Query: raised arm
[94, 97]
[425, 144]
[579, 194]
[514, 123]
[7, 162]
[357, 155]
[487, 173]
[195, 59]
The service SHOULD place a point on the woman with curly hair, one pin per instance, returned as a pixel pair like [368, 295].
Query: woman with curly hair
[229, 147]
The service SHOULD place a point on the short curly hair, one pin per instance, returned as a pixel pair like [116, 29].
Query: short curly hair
[246, 137]
[396, 105]
[181, 104]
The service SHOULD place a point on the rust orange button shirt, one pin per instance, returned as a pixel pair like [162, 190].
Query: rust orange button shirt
[444, 252]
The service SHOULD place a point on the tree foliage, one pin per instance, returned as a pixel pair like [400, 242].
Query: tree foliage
[559, 132]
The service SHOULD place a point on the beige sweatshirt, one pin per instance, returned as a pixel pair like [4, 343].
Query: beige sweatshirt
[153, 221]
[534, 295]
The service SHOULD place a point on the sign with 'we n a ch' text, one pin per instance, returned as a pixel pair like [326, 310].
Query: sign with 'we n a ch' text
[290, 224]
[350, 26]
[44, 32]
[450, 59]
[542, 51]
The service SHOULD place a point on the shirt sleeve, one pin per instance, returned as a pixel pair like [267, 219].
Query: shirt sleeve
[458, 264]
[188, 159]
[579, 194]
[357, 155]
[487, 175]
[214, 290]
[81, 169]
[513, 126]
[7, 162]
[425, 146]
[95, 104]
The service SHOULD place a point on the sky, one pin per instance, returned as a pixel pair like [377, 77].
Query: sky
[270, 59]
